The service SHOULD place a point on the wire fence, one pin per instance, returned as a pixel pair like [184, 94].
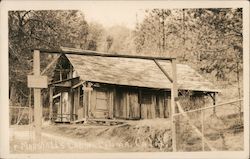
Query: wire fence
[213, 128]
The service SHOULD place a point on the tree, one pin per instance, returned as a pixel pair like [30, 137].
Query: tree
[95, 36]
[39, 29]
[159, 33]
[109, 41]
[210, 40]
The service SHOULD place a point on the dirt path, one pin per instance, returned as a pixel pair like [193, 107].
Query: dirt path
[22, 140]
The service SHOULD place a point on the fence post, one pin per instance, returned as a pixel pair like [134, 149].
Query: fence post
[174, 94]
[202, 129]
[214, 102]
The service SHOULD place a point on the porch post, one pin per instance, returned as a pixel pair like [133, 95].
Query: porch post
[214, 102]
[50, 103]
[71, 104]
[174, 94]
[86, 99]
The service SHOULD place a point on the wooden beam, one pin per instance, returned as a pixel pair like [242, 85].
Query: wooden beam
[163, 71]
[70, 103]
[37, 97]
[214, 103]
[140, 103]
[111, 103]
[65, 80]
[77, 85]
[57, 95]
[174, 94]
[202, 130]
[61, 105]
[30, 108]
[61, 76]
[87, 98]
[50, 102]
[62, 70]
[102, 54]
[71, 71]
[48, 66]
[64, 84]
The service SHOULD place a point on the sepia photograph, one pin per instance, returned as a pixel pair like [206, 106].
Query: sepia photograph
[127, 77]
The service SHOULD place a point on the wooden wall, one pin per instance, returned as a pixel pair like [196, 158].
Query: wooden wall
[130, 104]
[126, 104]
[108, 102]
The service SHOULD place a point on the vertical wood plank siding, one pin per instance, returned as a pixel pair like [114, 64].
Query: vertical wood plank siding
[125, 103]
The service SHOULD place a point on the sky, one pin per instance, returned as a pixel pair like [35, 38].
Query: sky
[118, 15]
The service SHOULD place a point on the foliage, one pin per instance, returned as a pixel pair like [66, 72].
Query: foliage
[211, 38]
[117, 39]
[39, 29]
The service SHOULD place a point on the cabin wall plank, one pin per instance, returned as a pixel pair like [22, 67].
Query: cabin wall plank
[117, 104]
[161, 105]
[134, 105]
[124, 105]
[92, 104]
[111, 105]
[127, 105]
[152, 107]
[144, 111]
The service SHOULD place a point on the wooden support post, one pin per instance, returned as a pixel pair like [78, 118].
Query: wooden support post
[37, 97]
[51, 103]
[78, 103]
[71, 104]
[111, 104]
[214, 103]
[86, 99]
[163, 71]
[89, 100]
[61, 105]
[174, 95]
[60, 75]
[71, 72]
[202, 128]
[30, 116]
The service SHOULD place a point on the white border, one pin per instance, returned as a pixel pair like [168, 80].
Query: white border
[38, 5]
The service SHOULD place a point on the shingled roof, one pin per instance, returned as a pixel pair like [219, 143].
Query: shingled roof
[136, 72]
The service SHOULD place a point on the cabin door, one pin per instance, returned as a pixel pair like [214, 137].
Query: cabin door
[102, 104]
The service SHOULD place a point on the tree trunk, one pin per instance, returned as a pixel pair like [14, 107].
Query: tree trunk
[13, 95]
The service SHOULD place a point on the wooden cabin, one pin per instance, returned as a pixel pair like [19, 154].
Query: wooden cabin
[94, 87]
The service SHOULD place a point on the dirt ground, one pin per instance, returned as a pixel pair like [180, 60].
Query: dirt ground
[137, 136]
